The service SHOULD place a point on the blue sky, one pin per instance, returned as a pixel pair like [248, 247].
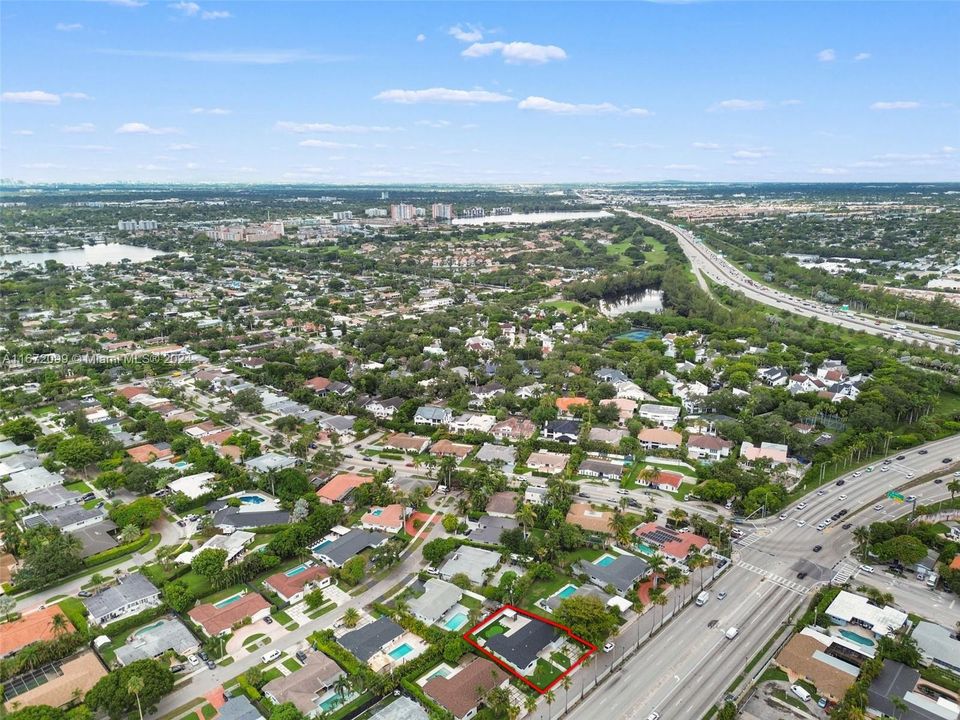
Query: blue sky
[479, 92]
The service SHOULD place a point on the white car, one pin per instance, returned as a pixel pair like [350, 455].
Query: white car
[828, 521]
[909, 476]
[821, 526]
[857, 474]
[911, 498]
[878, 507]
[193, 660]
[801, 523]
[866, 568]
[608, 647]
[801, 506]
[783, 517]
[653, 716]
[821, 492]
[843, 497]
[884, 469]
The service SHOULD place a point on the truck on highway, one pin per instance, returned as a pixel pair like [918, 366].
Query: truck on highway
[702, 598]
[731, 633]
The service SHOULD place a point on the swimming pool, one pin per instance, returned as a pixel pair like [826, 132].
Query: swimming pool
[638, 335]
[251, 499]
[439, 672]
[604, 560]
[182, 464]
[566, 591]
[293, 572]
[320, 545]
[227, 601]
[398, 652]
[456, 622]
[332, 701]
[148, 628]
[859, 639]
[377, 512]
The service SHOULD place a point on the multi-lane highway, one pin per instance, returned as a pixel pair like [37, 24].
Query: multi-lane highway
[708, 264]
[763, 588]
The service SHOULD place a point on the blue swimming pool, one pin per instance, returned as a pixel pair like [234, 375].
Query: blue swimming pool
[377, 512]
[859, 639]
[293, 572]
[181, 464]
[638, 335]
[566, 591]
[399, 652]
[604, 560]
[332, 701]
[456, 622]
[251, 499]
[320, 545]
[228, 601]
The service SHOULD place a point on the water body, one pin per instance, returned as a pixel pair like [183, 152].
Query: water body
[650, 301]
[532, 218]
[86, 256]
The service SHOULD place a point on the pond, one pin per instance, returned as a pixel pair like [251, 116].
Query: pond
[650, 301]
[86, 256]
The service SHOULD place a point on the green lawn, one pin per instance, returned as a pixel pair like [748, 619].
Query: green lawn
[545, 673]
[15, 504]
[772, 674]
[79, 486]
[560, 659]
[208, 711]
[198, 584]
[566, 306]
[75, 612]
[470, 602]
[253, 638]
[281, 617]
[291, 664]
[490, 630]
[272, 674]
[89, 504]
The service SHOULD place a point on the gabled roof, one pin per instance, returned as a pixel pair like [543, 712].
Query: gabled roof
[458, 693]
[521, 647]
[133, 588]
[366, 641]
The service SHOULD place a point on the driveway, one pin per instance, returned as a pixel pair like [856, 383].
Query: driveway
[235, 647]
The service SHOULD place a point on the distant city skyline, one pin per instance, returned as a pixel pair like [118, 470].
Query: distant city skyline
[128, 90]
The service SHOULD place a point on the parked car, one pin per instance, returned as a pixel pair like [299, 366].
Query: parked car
[607, 647]
[301, 656]
[211, 665]
[866, 568]
[817, 548]
[270, 656]
[193, 660]
[847, 526]
[84, 593]
[268, 620]
[801, 575]
[203, 655]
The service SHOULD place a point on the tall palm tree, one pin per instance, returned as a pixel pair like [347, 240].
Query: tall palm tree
[656, 563]
[619, 525]
[351, 617]
[659, 598]
[550, 698]
[682, 581]
[527, 517]
[134, 686]
[862, 536]
[954, 487]
[678, 515]
[59, 625]
[672, 576]
[530, 704]
[567, 683]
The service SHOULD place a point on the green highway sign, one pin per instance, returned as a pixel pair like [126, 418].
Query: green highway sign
[895, 496]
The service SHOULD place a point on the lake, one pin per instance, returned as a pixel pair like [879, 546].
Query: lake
[650, 301]
[85, 256]
[533, 218]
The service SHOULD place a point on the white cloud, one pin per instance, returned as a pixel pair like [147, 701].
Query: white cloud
[948, 150]
[328, 144]
[738, 104]
[210, 111]
[125, 3]
[81, 128]
[705, 146]
[68, 27]
[830, 171]
[215, 15]
[76, 96]
[895, 105]
[542, 104]
[828, 55]
[751, 154]
[440, 95]
[180, 147]
[860, 57]
[23, 132]
[437, 124]
[31, 97]
[421, 37]
[467, 33]
[93, 148]
[517, 53]
[191, 166]
[295, 127]
[235, 57]
[680, 166]
[138, 128]
[187, 8]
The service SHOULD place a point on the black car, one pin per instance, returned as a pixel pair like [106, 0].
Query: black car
[203, 655]
[938, 481]
[835, 516]
[801, 575]
[301, 656]
[847, 526]
[817, 548]
[887, 461]
[947, 460]
[842, 512]
[841, 483]
[901, 457]
[268, 620]
[922, 452]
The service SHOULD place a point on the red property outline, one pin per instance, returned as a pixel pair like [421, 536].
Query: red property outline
[467, 636]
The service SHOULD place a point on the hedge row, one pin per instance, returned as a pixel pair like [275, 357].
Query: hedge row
[107, 555]
[125, 625]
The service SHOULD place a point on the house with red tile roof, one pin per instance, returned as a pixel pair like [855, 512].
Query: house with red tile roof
[219, 620]
[566, 404]
[149, 452]
[673, 545]
[445, 448]
[30, 628]
[462, 692]
[291, 585]
[340, 486]
[388, 519]
[408, 443]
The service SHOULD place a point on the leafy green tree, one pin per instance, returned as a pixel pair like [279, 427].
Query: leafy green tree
[314, 599]
[112, 693]
[77, 452]
[178, 596]
[353, 570]
[248, 401]
[209, 562]
[37, 712]
[49, 555]
[22, 430]
[142, 512]
[905, 549]
[436, 550]
[586, 617]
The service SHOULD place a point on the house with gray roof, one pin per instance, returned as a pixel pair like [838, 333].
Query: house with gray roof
[898, 681]
[67, 517]
[522, 647]
[347, 546]
[469, 561]
[229, 518]
[305, 687]
[27, 480]
[270, 461]
[438, 597]
[491, 453]
[52, 497]
[150, 642]
[938, 645]
[490, 527]
[131, 595]
[239, 707]
[96, 538]
[402, 708]
[367, 641]
[621, 573]
[432, 415]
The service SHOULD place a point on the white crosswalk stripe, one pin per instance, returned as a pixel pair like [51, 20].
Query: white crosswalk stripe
[844, 573]
[782, 581]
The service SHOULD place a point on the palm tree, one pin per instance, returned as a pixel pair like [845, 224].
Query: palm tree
[530, 704]
[351, 617]
[134, 686]
[672, 576]
[549, 697]
[567, 682]
[527, 517]
[401, 606]
[59, 625]
[682, 580]
[619, 525]
[659, 597]
[649, 475]
[900, 704]
[678, 516]
[341, 687]
[656, 563]
[954, 487]
[862, 536]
